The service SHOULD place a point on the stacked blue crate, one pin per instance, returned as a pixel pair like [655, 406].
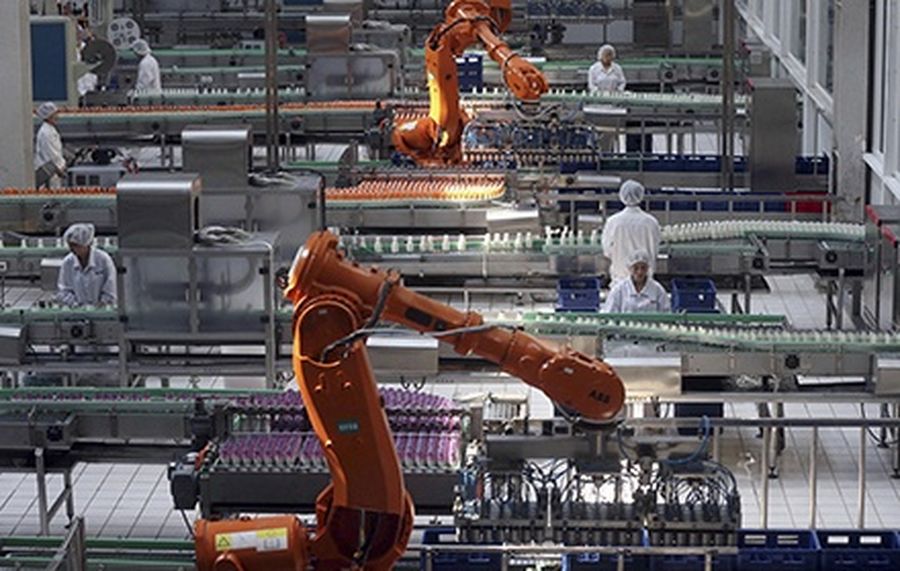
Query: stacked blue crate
[778, 550]
[693, 296]
[758, 550]
[446, 561]
[578, 294]
[859, 549]
[608, 562]
[691, 562]
[470, 69]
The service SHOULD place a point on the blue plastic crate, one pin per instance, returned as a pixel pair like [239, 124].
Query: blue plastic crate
[718, 206]
[689, 562]
[456, 561]
[697, 410]
[603, 562]
[859, 549]
[812, 165]
[778, 550]
[704, 163]
[470, 72]
[579, 283]
[746, 206]
[578, 294]
[608, 562]
[693, 295]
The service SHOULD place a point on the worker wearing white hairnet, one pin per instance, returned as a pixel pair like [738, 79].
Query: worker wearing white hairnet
[606, 74]
[48, 147]
[640, 293]
[87, 275]
[148, 77]
[630, 230]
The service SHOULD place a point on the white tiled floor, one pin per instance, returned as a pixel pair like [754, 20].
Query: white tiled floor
[133, 500]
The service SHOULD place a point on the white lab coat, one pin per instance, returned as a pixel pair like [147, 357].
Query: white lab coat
[148, 78]
[48, 148]
[94, 284]
[624, 298]
[626, 232]
[87, 83]
[606, 79]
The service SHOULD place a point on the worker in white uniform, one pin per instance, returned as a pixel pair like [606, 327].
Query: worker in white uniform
[640, 293]
[630, 230]
[148, 78]
[87, 275]
[606, 74]
[48, 147]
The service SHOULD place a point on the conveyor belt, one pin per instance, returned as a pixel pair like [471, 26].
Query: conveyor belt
[149, 111]
[737, 332]
[701, 236]
[412, 98]
[376, 190]
[384, 191]
[45, 192]
[738, 339]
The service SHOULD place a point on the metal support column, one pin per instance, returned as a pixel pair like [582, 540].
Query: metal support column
[813, 474]
[839, 309]
[40, 473]
[895, 450]
[850, 69]
[861, 476]
[729, 17]
[764, 478]
[271, 29]
[16, 152]
[748, 292]
[69, 494]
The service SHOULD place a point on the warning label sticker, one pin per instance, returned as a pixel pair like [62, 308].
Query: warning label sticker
[223, 542]
[272, 539]
[275, 539]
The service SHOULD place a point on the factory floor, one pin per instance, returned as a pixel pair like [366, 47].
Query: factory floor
[132, 500]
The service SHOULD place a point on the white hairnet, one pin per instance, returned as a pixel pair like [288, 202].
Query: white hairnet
[631, 193]
[141, 47]
[639, 256]
[79, 234]
[46, 110]
[606, 48]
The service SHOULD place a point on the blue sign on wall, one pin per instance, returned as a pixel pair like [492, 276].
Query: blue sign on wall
[49, 72]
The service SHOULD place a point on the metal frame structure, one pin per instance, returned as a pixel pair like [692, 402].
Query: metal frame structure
[824, 48]
[883, 156]
[159, 440]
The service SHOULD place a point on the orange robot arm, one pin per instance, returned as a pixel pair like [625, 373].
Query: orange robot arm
[582, 384]
[436, 139]
[364, 517]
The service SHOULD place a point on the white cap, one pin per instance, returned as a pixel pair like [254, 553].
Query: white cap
[46, 110]
[79, 234]
[631, 193]
[638, 257]
[604, 49]
[141, 47]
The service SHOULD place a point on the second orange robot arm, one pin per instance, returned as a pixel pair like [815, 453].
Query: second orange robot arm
[580, 383]
[437, 139]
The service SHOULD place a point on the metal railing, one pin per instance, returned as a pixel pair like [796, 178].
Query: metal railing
[72, 554]
[768, 425]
